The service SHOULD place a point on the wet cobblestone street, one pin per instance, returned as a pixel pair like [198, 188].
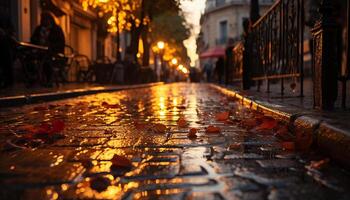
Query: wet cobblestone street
[150, 127]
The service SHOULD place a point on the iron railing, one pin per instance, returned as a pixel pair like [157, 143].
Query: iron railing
[277, 44]
[345, 71]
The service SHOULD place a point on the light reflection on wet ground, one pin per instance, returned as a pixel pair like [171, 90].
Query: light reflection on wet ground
[164, 165]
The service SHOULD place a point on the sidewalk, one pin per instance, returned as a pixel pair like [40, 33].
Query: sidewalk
[330, 129]
[21, 95]
[131, 145]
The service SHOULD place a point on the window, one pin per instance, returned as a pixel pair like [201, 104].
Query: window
[219, 2]
[223, 32]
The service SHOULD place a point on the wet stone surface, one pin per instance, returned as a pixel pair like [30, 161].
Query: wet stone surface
[77, 162]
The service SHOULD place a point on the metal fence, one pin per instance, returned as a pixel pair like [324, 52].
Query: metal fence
[277, 44]
[345, 71]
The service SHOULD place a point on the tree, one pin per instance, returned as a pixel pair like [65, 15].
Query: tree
[141, 18]
[172, 27]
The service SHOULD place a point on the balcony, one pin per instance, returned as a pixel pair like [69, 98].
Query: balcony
[216, 4]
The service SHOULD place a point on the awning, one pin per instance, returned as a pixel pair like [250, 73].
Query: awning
[52, 6]
[213, 53]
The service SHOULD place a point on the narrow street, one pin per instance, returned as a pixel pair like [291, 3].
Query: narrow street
[135, 144]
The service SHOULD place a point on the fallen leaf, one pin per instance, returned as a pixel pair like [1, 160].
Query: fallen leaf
[192, 134]
[235, 146]
[121, 162]
[318, 165]
[289, 146]
[44, 128]
[249, 123]
[268, 123]
[223, 116]
[213, 129]
[40, 108]
[57, 126]
[182, 123]
[159, 128]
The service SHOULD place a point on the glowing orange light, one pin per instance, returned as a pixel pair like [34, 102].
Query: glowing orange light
[161, 45]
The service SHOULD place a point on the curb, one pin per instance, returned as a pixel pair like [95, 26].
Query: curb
[52, 96]
[331, 140]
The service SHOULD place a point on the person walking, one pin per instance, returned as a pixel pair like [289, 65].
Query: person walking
[219, 69]
[49, 34]
[208, 68]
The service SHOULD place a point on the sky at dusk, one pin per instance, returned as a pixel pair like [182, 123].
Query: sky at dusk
[193, 10]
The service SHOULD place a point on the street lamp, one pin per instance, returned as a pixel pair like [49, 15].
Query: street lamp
[161, 46]
[174, 61]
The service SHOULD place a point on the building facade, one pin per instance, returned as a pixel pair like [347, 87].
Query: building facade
[221, 23]
[82, 29]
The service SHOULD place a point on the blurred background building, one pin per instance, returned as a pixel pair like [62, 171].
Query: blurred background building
[221, 24]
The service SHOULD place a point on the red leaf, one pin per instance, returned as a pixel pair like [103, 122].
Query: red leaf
[289, 146]
[267, 124]
[182, 123]
[235, 146]
[44, 128]
[223, 116]
[213, 129]
[121, 162]
[57, 126]
[40, 108]
[159, 128]
[192, 133]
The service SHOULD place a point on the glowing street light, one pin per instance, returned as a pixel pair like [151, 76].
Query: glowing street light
[174, 61]
[185, 70]
[161, 45]
[181, 67]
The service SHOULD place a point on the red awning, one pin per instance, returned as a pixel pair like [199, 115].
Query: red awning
[213, 53]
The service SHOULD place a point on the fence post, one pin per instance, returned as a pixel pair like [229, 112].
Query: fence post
[246, 79]
[325, 58]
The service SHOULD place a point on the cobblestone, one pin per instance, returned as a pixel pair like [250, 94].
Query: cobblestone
[235, 164]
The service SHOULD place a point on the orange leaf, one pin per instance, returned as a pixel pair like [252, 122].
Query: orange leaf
[319, 164]
[182, 123]
[57, 126]
[235, 146]
[213, 129]
[267, 124]
[222, 116]
[121, 162]
[289, 146]
[192, 133]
